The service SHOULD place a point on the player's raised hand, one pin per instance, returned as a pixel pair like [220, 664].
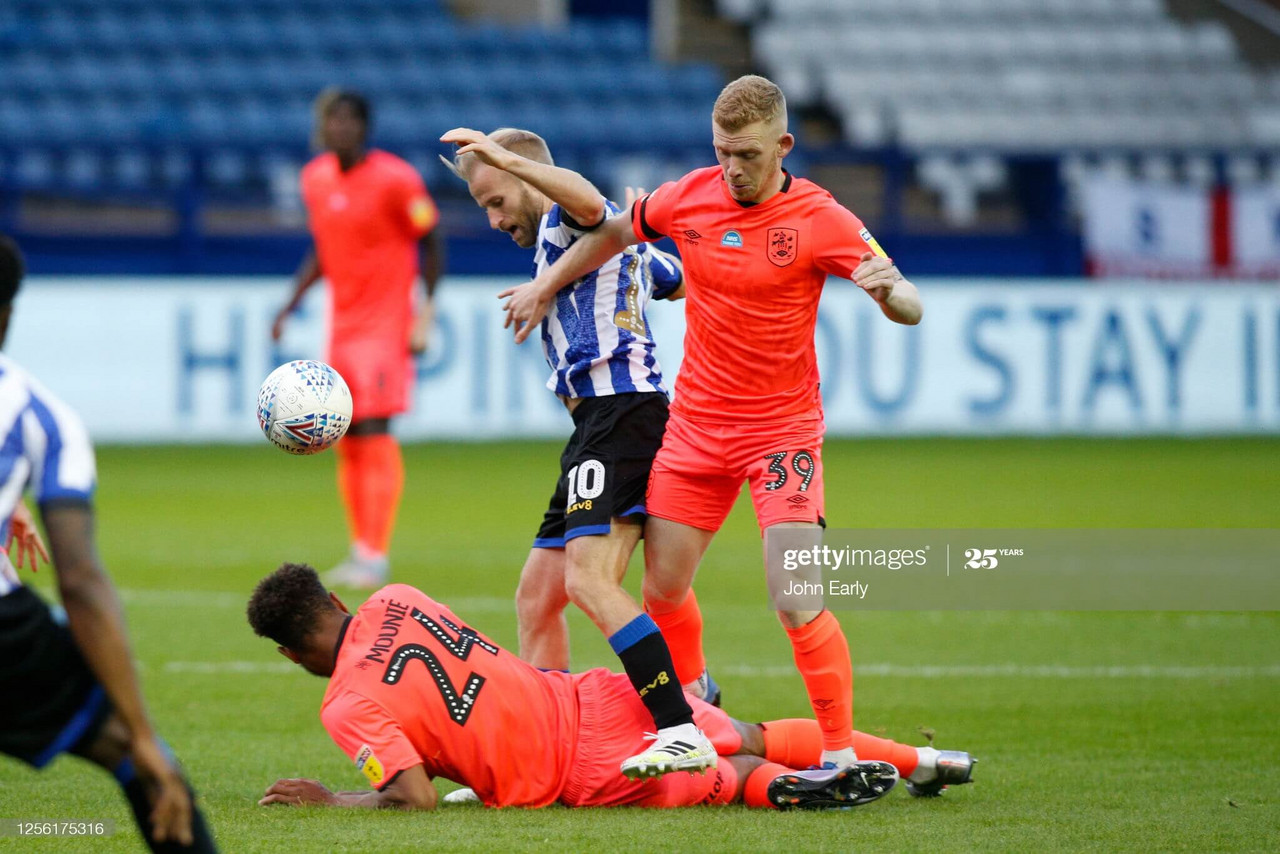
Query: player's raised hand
[632, 193]
[170, 798]
[296, 792]
[525, 307]
[23, 533]
[474, 142]
[876, 275]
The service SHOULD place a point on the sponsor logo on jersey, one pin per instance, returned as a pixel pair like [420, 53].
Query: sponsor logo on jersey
[871, 241]
[782, 246]
[370, 766]
[693, 236]
[731, 238]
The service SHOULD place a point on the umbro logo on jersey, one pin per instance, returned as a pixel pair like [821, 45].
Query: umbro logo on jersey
[731, 238]
[693, 235]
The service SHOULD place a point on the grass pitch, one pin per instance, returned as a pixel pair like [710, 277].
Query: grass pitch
[1098, 731]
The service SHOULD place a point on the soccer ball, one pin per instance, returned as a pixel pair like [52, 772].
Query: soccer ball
[304, 407]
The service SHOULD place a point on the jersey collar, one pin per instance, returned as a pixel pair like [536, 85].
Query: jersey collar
[786, 185]
[342, 635]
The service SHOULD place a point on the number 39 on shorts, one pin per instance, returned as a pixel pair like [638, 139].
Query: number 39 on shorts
[784, 463]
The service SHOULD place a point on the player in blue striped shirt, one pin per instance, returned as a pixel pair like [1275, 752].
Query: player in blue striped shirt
[598, 343]
[72, 688]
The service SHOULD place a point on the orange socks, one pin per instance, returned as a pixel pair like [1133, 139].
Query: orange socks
[797, 743]
[822, 656]
[755, 793]
[682, 630]
[348, 451]
[370, 479]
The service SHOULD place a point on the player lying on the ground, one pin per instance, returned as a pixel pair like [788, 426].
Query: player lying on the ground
[72, 688]
[414, 693]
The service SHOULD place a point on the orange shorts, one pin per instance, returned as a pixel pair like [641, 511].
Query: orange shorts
[699, 471]
[379, 372]
[612, 721]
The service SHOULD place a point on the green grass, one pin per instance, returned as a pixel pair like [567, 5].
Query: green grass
[1152, 763]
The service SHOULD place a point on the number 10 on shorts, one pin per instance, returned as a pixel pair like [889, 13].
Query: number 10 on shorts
[586, 481]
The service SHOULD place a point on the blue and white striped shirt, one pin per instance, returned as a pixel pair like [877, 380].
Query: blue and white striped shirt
[596, 336]
[45, 447]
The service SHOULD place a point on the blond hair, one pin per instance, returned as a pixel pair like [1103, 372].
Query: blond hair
[526, 143]
[748, 100]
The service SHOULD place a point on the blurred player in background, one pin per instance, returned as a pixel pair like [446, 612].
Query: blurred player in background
[72, 688]
[373, 225]
[414, 693]
[597, 341]
[758, 246]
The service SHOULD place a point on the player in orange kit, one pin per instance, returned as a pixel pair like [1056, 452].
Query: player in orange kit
[758, 246]
[414, 693]
[372, 221]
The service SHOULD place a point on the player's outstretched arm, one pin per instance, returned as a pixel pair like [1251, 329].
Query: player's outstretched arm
[96, 621]
[577, 196]
[412, 789]
[527, 304]
[307, 275]
[431, 262]
[884, 282]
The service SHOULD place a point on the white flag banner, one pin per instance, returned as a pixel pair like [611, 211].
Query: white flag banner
[1133, 228]
[1255, 231]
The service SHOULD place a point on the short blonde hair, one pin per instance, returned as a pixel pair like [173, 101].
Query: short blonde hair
[526, 143]
[748, 100]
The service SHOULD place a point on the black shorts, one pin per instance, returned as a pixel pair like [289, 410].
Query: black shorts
[604, 470]
[52, 702]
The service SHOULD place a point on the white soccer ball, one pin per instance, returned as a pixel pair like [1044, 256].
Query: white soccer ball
[304, 407]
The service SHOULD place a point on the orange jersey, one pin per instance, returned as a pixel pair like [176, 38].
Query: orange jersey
[753, 276]
[366, 223]
[413, 685]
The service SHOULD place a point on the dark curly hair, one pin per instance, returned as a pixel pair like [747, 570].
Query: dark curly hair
[357, 102]
[12, 269]
[287, 604]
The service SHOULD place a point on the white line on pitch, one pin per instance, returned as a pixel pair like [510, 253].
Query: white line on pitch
[1022, 671]
[224, 599]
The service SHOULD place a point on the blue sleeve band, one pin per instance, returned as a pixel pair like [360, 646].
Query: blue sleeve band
[124, 772]
[632, 633]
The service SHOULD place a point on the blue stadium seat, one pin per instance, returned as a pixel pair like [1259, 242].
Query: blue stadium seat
[32, 75]
[16, 119]
[127, 75]
[112, 30]
[297, 33]
[206, 121]
[59, 122]
[131, 170]
[156, 30]
[229, 78]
